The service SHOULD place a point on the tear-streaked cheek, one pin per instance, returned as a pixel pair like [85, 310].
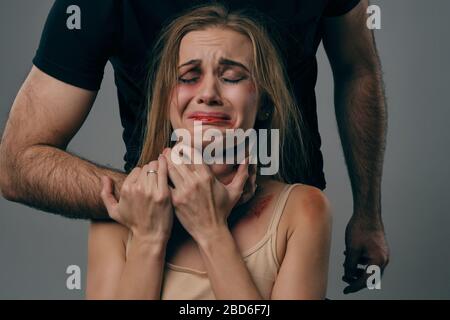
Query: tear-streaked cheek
[183, 96]
[188, 89]
[245, 104]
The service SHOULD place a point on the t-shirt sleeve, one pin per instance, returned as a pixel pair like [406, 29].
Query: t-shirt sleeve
[79, 37]
[336, 8]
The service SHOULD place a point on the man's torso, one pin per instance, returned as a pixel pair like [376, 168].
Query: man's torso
[295, 25]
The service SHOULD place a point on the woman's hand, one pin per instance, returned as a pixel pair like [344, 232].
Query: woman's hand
[202, 203]
[144, 206]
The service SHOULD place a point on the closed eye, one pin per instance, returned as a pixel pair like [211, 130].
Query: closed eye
[233, 81]
[191, 80]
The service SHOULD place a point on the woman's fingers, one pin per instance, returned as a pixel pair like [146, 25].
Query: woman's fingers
[236, 186]
[132, 176]
[186, 158]
[201, 167]
[249, 186]
[108, 197]
[149, 176]
[162, 174]
[172, 169]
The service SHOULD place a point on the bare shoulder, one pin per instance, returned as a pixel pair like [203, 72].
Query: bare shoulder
[307, 235]
[307, 207]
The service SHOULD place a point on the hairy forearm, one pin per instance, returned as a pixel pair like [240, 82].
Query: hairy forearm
[227, 271]
[362, 121]
[56, 181]
[143, 271]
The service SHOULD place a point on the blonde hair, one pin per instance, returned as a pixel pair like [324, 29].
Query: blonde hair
[267, 71]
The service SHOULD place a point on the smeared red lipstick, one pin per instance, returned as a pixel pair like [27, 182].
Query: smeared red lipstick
[210, 117]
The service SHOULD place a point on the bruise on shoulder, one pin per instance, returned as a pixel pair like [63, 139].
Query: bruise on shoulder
[260, 205]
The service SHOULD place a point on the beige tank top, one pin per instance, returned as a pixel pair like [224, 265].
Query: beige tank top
[182, 283]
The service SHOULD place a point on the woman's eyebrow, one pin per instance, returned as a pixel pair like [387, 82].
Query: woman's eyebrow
[193, 61]
[228, 62]
[222, 61]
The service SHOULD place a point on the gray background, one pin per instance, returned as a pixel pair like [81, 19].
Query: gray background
[36, 247]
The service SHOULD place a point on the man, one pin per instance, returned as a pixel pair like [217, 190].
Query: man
[81, 36]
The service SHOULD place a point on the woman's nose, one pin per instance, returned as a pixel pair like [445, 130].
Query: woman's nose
[209, 92]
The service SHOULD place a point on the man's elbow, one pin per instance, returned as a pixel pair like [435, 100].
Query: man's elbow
[7, 189]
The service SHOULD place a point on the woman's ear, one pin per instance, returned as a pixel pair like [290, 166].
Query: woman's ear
[264, 109]
[264, 113]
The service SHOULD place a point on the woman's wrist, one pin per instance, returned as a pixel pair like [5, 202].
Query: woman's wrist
[150, 245]
[219, 234]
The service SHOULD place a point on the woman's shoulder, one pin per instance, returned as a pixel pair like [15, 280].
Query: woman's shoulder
[299, 192]
[306, 207]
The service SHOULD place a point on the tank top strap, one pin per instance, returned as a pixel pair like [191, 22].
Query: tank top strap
[279, 207]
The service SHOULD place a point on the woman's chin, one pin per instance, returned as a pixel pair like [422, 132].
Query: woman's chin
[224, 172]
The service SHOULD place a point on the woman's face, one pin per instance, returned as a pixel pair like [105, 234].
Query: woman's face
[214, 82]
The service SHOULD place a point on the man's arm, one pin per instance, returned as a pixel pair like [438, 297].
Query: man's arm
[35, 168]
[362, 121]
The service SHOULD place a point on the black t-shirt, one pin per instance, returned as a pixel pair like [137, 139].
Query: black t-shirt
[124, 31]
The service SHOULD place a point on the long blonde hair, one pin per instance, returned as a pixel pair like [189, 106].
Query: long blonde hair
[268, 73]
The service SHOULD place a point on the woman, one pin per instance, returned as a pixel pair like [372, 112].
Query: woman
[222, 69]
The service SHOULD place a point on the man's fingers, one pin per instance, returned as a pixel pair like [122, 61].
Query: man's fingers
[350, 263]
[108, 197]
[356, 274]
[357, 284]
[354, 277]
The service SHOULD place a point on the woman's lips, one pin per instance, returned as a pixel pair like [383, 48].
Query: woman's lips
[210, 117]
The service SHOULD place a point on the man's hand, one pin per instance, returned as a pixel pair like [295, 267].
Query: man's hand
[365, 244]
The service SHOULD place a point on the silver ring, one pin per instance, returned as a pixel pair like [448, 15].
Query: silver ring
[152, 171]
